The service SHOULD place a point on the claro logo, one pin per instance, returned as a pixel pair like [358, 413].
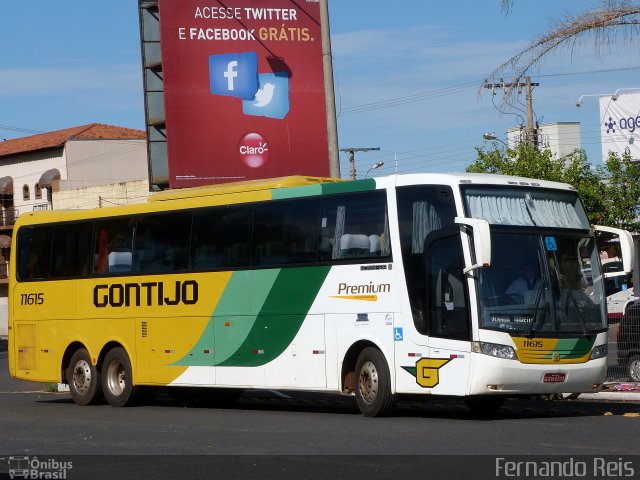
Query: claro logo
[145, 294]
[254, 150]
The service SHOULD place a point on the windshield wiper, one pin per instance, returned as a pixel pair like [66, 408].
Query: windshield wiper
[534, 320]
[571, 296]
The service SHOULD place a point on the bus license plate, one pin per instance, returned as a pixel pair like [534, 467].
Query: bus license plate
[554, 377]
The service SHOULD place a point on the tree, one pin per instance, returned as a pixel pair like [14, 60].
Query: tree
[618, 19]
[609, 192]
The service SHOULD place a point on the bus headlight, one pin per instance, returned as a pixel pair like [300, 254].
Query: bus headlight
[494, 350]
[599, 352]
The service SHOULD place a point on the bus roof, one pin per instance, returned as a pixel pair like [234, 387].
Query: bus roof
[241, 187]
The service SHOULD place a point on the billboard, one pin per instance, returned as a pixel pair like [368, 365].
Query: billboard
[243, 90]
[620, 124]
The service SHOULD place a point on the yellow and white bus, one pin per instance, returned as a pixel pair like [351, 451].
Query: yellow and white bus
[406, 284]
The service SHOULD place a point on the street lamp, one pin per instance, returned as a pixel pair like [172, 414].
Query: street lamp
[492, 136]
[613, 97]
[616, 94]
[374, 167]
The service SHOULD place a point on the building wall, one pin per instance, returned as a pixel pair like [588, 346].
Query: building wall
[562, 138]
[26, 169]
[102, 162]
[102, 196]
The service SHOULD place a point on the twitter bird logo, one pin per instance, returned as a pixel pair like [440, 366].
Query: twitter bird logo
[272, 97]
[264, 95]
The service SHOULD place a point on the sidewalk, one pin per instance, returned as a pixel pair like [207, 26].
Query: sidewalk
[616, 392]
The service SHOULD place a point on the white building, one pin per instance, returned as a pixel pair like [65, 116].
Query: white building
[562, 138]
[78, 164]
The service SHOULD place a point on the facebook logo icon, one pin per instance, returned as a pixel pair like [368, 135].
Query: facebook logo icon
[234, 74]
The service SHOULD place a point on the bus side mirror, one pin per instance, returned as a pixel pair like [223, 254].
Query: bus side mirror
[481, 241]
[626, 248]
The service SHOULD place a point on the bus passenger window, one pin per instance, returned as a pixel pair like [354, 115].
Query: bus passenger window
[112, 245]
[220, 237]
[284, 232]
[354, 226]
[34, 252]
[71, 249]
[162, 243]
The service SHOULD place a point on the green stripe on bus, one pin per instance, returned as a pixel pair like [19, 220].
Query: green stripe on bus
[249, 328]
[346, 187]
[294, 292]
[295, 192]
[325, 188]
[573, 347]
[239, 308]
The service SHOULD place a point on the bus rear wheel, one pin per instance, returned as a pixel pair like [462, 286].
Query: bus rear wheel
[373, 384]
[117, 379]
[84, 379]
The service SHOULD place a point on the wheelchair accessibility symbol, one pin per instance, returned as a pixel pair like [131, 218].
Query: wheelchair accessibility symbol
[397, 334]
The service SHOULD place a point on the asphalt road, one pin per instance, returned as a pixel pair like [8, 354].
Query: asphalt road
[288, 433]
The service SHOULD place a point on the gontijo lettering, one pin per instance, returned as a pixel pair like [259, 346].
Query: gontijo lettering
[145, 294]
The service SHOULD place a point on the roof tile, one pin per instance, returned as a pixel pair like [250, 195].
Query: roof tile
[44, 141]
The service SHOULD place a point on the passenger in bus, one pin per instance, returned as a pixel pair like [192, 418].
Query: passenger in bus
[527, 280]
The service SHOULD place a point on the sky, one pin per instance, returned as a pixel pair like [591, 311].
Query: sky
[71, 63]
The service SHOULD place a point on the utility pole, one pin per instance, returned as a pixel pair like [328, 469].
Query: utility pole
[329, 94]
[352, 157]
[531, 133]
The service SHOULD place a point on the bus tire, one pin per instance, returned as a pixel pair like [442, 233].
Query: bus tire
[373, 384]
[484, 405]
[117, 379]
[83, 379]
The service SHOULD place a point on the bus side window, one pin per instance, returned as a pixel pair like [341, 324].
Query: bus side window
[112, 245]
[162, 243]
[284, 232]
[34, 252]
[221, 236]
[353, 226]
[71, 249]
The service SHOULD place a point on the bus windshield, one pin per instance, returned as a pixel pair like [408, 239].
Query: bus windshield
[540, 283]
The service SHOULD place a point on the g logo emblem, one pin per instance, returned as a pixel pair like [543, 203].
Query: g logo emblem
[427, 371]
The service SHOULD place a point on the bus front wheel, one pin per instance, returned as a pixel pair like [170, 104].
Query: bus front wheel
[373, 384]
[84, 379]
[117, 378]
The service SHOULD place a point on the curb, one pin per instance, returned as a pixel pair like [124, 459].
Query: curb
[611, 396]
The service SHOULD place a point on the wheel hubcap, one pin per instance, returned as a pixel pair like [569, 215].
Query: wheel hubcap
[82, 377]
[116, 378]
[634, 370]
[369, 382]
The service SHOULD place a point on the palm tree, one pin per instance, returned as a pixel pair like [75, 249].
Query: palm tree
[604, 25]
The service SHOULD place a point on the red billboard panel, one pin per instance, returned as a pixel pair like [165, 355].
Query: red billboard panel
[243, 89]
